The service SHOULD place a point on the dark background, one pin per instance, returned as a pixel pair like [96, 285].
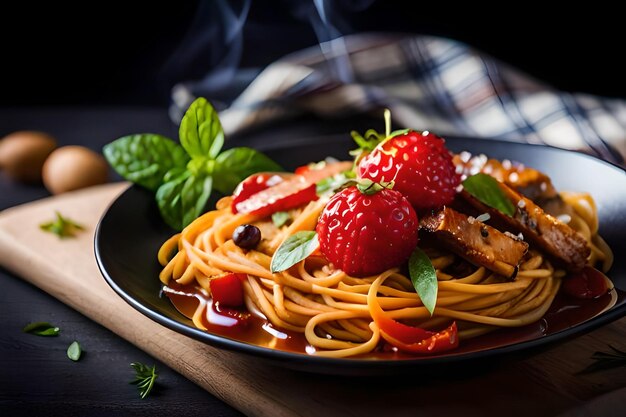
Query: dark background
[134, 52]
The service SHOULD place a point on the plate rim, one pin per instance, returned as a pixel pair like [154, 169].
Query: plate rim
[326, 365]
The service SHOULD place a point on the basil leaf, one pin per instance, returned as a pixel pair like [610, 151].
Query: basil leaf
[486, 189]
[74, 351]
[201, 132]
[169, 200]
[174, 173]
[145, 158]
[279, 218]
[424, 278]
[195, 195]
[234, 165]
[184, 198]
[41, 328]
[294, 249]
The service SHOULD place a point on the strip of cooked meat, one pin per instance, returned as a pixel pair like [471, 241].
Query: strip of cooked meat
[538, 227]
[475, 241]
[529, 182]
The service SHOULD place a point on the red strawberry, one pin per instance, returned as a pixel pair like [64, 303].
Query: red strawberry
[366, 234]
[420, 166]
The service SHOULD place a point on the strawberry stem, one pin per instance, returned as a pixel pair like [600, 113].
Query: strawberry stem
[387, 116]
[369, 187]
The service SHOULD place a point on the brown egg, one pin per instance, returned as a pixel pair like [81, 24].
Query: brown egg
[72, 167]
[22, 154]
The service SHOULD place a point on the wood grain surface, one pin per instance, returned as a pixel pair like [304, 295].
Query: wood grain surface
[544, 384]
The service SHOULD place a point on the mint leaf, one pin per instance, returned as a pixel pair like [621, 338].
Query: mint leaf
[279, 218]
[294, 249]
[486, 189]
[144, 158]
[41, 328]
[424, 278]
[201, 132]
[74, 351]
[234, 165]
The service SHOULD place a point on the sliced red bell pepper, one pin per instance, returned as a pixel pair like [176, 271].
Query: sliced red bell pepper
[266, 193]
[588, 283]
[227, 290]
[412, 339]
[255, 183]
[286, 195]
[439, 342]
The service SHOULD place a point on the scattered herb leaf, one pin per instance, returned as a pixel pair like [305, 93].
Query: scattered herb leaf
[74, 351]
[294, 249]
[486, 189]
[424, 278]
[145, 378]
[605, 361]
[61, 226]
[280, 218]
[41, 328]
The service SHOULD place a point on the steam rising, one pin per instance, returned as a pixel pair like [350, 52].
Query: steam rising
[215, 41]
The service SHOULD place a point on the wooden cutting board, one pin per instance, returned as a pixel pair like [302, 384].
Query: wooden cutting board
[544, 384]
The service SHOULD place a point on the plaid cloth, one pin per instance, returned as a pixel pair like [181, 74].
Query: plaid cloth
[428, 83]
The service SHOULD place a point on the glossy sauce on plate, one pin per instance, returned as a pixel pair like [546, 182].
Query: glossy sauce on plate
[565, 312]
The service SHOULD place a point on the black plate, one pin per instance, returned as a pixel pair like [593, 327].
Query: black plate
[131, 231]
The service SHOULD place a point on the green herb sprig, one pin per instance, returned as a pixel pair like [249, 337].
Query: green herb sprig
[61, 226]
[605, 361]
[145, 378]
[184, 176]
